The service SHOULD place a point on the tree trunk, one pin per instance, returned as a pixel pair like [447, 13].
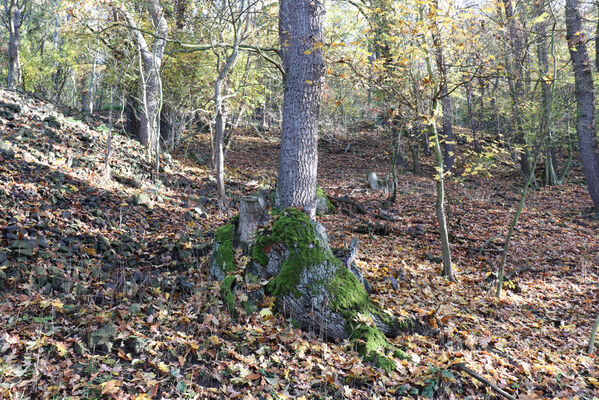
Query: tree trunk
[515, 82]
[585, 98]
[447, 131]
[301, 36]
[219, 159]
[15, 13]
[150, 60]
[547, 79]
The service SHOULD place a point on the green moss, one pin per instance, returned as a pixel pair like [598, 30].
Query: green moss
[227, 293]
[351, 301]
[294, 230]
[258, 254]
[225, 256]
[373, 346]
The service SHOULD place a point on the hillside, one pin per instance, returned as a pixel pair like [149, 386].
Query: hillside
[104, 288]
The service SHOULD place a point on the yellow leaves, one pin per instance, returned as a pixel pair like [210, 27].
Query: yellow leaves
[547, 79]
[143, 396]
[163, 368]
[309, 82]
[307, 52]
[61, 348]
[593, 382]
[213, 340]
[266, 314]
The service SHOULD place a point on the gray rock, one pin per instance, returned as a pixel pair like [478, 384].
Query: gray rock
[7, 115]
[102, 338]
[79, 348]
[135, 308]
[142, 199]
[135, 345]
[3, 257]
[52, 122]
[14, 107]
[6, 149]
[322, 206]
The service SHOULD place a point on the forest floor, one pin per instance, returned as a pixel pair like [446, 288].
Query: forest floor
[104, 289]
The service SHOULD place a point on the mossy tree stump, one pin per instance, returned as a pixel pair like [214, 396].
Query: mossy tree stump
[312, 287]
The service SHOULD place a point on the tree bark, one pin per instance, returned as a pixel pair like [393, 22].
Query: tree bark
[585, 98]
[302, 38]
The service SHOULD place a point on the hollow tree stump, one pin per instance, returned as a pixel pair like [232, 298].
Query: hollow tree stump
[252, 214]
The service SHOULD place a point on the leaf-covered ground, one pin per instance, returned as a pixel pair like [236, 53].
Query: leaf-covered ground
[104, 289]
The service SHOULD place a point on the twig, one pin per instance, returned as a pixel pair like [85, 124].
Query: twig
[487, 242]
[487, 382]
[593, 334]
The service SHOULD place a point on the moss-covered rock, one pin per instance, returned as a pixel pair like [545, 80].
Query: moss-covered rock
[223, 256]
[323, 204]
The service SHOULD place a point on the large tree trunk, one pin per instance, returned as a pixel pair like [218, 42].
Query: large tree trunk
[301, 36]
[14, 17]
[585, 98]
[150, 79]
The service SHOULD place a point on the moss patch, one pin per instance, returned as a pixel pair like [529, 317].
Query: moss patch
[294, 230]
[353, 303]
[227, 293]
[225, 256]
[258, 254]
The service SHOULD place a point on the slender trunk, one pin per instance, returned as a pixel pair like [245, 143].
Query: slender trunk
[447, 133]
[597, 36]
[440, 206]
[547, 79]
[301, 35]
[14, 65]
[219, 159]
[585, 98]
[89, 106]
[448, 271]
[471, 119]
[107, 170]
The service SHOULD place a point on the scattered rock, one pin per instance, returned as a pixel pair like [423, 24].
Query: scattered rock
[135, 308]
[142, 199]
[101, 339]
[52, 122]
[6, 150]
[14, 107]
[7, 115]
